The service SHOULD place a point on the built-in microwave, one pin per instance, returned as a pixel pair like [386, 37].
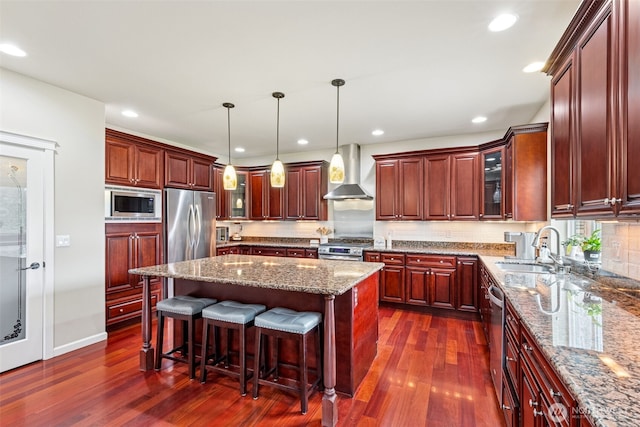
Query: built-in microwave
[124, 204]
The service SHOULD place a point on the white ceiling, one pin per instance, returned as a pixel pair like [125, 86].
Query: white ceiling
[416, 69]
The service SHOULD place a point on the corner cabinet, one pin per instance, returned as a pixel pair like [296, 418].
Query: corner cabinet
[130, 246]
[222, 196]
[187, 171]
[304, 188]
[595, 94]
[131, 161]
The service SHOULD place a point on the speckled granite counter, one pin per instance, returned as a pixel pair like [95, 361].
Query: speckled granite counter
[589, 336]
[345, 292]
[290, 274]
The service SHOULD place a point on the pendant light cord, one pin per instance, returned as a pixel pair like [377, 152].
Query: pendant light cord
[278, 131]
[229, 131]
[337, 117]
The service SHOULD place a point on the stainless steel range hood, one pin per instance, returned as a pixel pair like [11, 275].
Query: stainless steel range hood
[351, 188]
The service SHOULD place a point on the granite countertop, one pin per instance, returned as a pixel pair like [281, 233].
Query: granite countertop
[326, 277]
[588, 334]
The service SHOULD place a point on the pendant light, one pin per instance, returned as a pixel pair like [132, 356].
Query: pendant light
[336, 167]
[229, 177]
[277, 169]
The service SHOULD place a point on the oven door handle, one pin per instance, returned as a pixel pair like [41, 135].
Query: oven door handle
[339, 258]
[494, 299]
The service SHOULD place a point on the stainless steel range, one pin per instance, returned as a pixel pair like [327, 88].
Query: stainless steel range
[342, 251]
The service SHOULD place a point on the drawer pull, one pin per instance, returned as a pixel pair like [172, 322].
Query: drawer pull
[532, 403]
[506, 408]
[527, 347]
[554, 393]
[511, 359]
[536, 413]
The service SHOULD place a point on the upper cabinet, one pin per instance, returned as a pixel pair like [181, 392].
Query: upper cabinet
[304, 188]
[502, 179]
[595, 90]
[525, 179]
[130, 161]
[492, 183]
[451, 186]
[401, 181]
[237, 199]
[265, 201]
[222, 196]
[188, 171]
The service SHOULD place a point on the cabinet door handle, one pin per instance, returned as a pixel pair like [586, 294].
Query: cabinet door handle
[532, 403]
[527, 347]
[537, 413]
[505, 407]
[554, 393]
[511, 359]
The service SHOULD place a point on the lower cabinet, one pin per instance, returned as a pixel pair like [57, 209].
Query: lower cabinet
[130, 246]
[428, 280]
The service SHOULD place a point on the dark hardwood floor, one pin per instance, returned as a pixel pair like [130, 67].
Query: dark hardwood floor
[430, 371]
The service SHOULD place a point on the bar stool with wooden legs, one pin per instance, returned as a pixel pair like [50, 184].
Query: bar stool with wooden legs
[187, 309]
[288, 324]
[231, 315]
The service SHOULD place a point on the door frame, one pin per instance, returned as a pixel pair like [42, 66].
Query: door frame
[49, 149]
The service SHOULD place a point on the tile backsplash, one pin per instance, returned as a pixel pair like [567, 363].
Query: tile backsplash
[621, 248]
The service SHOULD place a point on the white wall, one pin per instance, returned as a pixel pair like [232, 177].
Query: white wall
[76, 123]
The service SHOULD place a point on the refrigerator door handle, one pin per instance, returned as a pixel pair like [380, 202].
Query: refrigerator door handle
[190, 233]
[198, 229]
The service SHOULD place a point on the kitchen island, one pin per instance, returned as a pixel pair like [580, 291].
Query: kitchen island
[345, 292]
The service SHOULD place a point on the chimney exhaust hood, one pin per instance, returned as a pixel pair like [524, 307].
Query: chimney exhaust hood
[351, 188]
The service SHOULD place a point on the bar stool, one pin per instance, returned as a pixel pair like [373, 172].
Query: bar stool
[281, 322]
[187, 309]
[231, 315]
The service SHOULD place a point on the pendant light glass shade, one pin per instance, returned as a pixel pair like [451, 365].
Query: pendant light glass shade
[336, 167]
[229, 177]
[277, 169]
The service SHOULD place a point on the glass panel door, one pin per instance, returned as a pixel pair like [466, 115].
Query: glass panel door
[492, 191]
[21, 255]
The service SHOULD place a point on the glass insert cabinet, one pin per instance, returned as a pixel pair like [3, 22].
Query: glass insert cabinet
[492, 190]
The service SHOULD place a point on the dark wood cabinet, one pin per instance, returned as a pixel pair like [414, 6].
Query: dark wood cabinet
[130, 161]
[451, 186]
[629, 136]
[305, 186]
[129, 246]
[399, 184]
[492, 191]
[467, 286]
[392, 278]
[222, 195]
[265, 202]
[562, 137]
[186, 170]
[484, 303]
[437, 191]
[422, 279]
[464, 186]
[595, 93]
[526, 173]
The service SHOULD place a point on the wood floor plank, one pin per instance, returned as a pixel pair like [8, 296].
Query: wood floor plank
[430, 371]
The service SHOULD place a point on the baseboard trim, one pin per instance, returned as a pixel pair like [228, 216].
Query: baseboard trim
[76, 345]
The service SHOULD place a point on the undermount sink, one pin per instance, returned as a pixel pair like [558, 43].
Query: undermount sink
[524, 268]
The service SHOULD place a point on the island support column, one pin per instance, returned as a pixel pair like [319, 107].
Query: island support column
[146, 352]
[329, 400]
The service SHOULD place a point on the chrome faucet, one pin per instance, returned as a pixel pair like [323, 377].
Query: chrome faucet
[557, 257]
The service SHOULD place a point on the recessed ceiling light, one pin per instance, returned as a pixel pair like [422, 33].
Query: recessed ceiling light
[12, 50]
[239, 150]
[377, 132]
[129, 113]
[502, 22]
[303, 141]
[533, 67]
[479, 119]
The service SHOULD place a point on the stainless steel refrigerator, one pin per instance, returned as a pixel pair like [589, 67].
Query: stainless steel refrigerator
[190, 218]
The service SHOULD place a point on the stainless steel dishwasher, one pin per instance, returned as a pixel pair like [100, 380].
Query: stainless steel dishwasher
[496, 352]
